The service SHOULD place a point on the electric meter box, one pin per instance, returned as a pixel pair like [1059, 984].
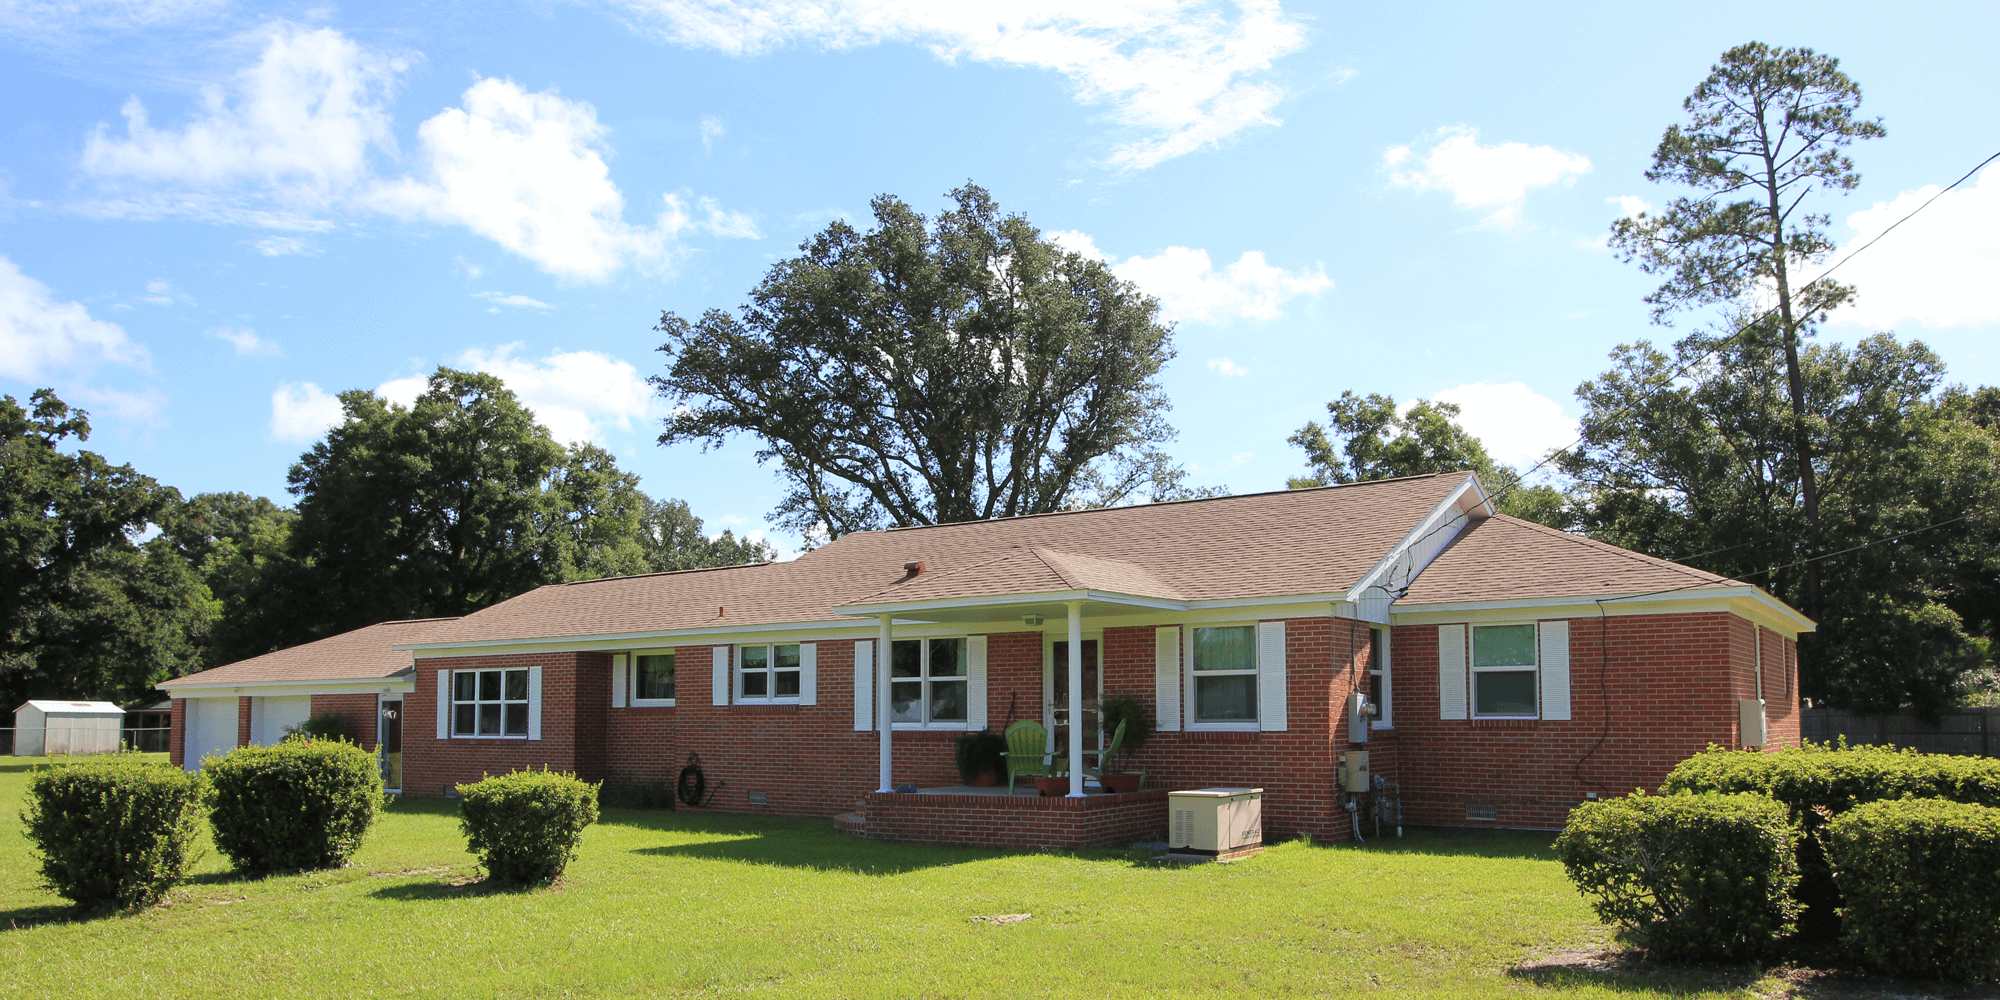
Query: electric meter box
[1216, 822]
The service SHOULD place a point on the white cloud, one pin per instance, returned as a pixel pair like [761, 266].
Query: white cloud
[1189, 288]
[1224, 366]
[527, 171]
[159, 292]
[288, 138]
[303, 412]
[499, 299]
[59, 21]
[577, 395]
[1936, 269]
[1180, 75]
[403, 391]
[245, 340]
[280, 246]
[711, 130]
[1630, 205]
[1515, 423]
[41, 335]
[1493, 179]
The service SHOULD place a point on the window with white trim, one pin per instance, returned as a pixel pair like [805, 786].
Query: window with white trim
[767, 673]
[1503, 671]
[1224, 661]
[927, 682]
[653, 678]
[1378, 674]
[491, 703]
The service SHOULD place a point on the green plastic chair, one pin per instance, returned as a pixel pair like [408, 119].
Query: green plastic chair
[1027, 752]
[1104, 755]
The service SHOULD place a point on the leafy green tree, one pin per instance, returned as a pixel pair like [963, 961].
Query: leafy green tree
[672, 539]
[241, 547]
[1765, 131]
[1366, 437]
[85, 611]
[932, 370]
[1709, 470]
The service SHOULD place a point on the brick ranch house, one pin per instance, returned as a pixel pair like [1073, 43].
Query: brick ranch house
[1509, 670]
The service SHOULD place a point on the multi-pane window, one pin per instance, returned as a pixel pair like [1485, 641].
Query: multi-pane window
[653, 677]
[927, 681]
[1225, 673]
[1503, 670]
[1378, 673]
[489, 703]
[768, 673]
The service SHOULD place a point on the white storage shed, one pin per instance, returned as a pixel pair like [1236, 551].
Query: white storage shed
[53, 728]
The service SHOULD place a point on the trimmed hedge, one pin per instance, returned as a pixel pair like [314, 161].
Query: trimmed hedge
[300, 804]
[1817, 781]
[113, 831]
[1919, 877]
[525, 826]
[1702, 877]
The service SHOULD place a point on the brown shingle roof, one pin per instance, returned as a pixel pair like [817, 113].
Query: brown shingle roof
[363, 654]
[1507, 559]
[1257, 545]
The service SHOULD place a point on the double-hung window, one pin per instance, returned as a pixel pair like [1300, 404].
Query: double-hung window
[489, 703]
[1224, 661]
[767, 673]
[1503, 671]
[653, 677]
[927, 682]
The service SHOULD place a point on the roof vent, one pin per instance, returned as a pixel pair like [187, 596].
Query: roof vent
[913, 569]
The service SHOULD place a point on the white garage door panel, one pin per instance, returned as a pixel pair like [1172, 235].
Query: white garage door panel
[278, 714]
[211, 728]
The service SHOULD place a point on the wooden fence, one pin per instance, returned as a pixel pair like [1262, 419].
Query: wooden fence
[1967, 731]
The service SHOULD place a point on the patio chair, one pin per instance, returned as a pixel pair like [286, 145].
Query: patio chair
[1027, 752]
[1104, 755]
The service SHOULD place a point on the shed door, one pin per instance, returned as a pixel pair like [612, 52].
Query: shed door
[278, 715]
[211, 728]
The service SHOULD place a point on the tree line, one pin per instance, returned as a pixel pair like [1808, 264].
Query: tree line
[111, 581]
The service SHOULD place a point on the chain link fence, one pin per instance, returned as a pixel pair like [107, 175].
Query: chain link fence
[67, 741]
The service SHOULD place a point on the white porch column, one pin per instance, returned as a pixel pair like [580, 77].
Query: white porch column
[1075, 699]
[882, 698]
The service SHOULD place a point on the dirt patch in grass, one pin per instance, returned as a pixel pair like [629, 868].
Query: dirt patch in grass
[1630, 969]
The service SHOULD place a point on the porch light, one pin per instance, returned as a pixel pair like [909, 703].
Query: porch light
[1031, 620]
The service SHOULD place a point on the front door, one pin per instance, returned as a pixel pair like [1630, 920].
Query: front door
[1057, 709]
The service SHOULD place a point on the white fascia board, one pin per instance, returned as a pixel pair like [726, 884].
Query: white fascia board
[1748, 602]
[630, 640]
[280, 689]
[1446, 509]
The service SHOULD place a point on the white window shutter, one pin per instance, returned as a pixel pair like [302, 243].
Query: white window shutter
[534, 703]
[619, 670]
[444, 704]
[718, 677]
[1555, 671]
[808, 673]
[1451, 671]
[975, 683]
[1167, 678]
[864, 686]
[1271, 694]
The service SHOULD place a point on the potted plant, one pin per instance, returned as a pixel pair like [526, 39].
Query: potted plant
[1138, 729]
[979, 758]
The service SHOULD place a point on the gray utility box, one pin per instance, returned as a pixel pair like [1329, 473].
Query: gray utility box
[1217, 822]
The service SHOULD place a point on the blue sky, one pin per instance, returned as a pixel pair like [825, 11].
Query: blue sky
[213, 216]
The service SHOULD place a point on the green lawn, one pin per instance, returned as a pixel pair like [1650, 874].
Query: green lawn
[670, 904]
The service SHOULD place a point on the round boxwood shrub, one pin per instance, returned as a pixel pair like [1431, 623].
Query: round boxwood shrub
[525, 827]
[1703, 877]
[113, 831]
[1919, 878]
[301, 804]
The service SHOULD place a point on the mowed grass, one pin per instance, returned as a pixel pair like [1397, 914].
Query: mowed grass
[666, 904]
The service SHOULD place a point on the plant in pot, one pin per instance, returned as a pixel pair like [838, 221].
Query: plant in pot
[979, 758]
[1138, 729]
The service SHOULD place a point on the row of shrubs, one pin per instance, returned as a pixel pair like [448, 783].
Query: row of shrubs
[1895, 851]
[119, 831]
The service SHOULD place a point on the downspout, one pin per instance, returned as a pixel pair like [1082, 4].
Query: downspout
[882, 699]
[1076, 699]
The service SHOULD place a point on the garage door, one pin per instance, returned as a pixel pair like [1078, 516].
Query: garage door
[275, 715]
[211, 728]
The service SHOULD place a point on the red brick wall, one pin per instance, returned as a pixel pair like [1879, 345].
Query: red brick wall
[432, 766]
[243, 722]
[1017, 821]
[177, 734]
[1669, 687]
[359, 711]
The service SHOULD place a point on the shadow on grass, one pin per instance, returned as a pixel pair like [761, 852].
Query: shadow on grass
[420, 892]
[1822, 978]
[28, 917]
[1453, 842]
